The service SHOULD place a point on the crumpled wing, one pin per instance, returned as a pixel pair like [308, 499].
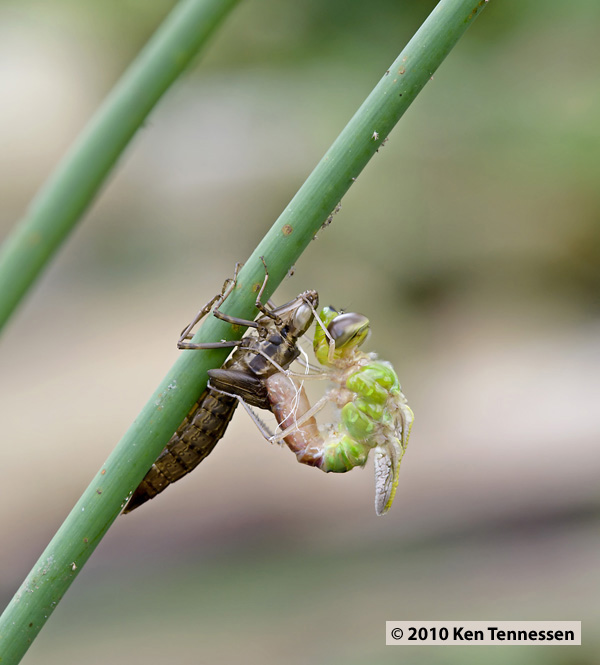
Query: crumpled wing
[387, 460]
[387, 467]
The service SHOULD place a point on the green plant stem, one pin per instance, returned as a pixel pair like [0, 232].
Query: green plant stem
[72, 187]
[102, 501]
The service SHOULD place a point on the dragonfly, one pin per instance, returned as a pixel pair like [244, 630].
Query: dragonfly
[374, 413]
[270, 346]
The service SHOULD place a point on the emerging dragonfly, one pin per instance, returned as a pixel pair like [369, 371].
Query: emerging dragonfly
[269, 347]
[374, 412]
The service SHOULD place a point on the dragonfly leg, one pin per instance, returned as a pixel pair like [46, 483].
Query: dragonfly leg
[330, 340]
[259, 304]
[262, 308]
[214, 305]
[306, 375]
[223, 344]
[215, 302]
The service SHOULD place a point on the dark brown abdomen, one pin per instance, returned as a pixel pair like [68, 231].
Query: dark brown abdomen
[194, 440]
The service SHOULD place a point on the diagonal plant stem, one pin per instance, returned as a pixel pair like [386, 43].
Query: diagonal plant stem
[69, 191]
[134, 454]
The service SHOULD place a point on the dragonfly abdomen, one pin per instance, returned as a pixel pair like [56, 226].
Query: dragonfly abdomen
[194, 440]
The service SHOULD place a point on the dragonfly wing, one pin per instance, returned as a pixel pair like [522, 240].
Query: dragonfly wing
[387, 468]
[388, 457]
[404, 421]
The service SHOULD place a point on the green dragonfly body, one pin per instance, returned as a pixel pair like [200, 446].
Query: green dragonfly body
[374, 414]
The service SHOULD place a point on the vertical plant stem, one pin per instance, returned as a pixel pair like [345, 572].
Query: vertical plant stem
[102, 501]
[69, 191]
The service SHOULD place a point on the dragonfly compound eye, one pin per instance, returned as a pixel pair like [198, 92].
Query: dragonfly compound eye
[350, 329]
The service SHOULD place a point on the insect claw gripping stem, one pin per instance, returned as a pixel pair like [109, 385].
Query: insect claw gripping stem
[213, 304]
[259, 304]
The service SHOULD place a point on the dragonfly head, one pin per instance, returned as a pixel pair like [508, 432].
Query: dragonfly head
[348, 331]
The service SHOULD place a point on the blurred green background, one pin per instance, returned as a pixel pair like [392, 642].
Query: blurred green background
[472, 243]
